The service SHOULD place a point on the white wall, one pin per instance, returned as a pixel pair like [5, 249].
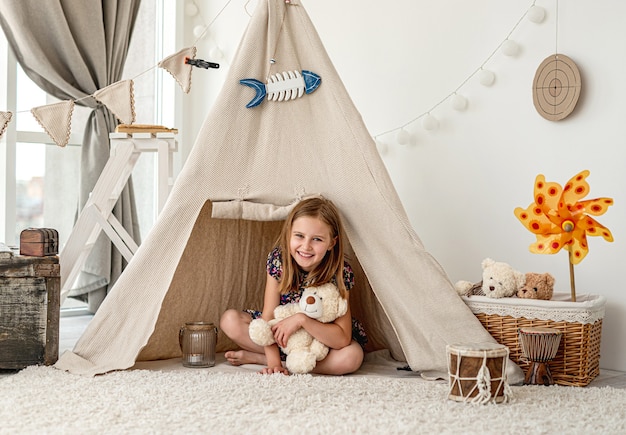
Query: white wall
[460, 183]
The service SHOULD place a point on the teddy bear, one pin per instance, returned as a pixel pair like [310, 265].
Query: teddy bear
[323, 303]
[500, 280]
[537, 286]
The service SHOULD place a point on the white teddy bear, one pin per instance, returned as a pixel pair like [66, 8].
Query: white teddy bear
[500, 280]
[323, 303]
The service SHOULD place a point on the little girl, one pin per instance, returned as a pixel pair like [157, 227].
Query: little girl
[309, 251]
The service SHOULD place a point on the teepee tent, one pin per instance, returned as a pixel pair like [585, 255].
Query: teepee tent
[207, 250]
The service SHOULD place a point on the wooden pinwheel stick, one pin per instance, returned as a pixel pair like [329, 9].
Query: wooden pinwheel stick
[571, 277]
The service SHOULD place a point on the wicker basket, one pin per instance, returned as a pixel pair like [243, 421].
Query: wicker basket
[577, 362]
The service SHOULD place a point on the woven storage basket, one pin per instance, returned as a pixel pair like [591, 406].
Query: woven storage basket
[578, 360]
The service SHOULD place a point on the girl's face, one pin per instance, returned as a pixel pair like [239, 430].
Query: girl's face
[310, 241]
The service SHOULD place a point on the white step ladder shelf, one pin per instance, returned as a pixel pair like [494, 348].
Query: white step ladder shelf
[97, 215]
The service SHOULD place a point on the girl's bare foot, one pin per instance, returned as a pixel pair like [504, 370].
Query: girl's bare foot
[239, 357]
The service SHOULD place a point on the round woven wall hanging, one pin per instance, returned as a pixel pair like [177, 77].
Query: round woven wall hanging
[556, 87]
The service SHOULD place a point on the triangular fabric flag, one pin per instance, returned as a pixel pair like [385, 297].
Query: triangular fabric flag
[5, 118]
[120, 100]
[56, 120]
[178, 68]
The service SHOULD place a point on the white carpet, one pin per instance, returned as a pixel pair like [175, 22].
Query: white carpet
[237, 400]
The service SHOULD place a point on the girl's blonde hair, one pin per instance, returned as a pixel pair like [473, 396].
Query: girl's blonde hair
[332, 265]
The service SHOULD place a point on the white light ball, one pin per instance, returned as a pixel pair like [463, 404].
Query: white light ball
[191, 9]
[459, 102]
[536, 14]
[403, 137]
[510, 48]
[430, 122]
[486, 77]
[381, 147]
[198, 31]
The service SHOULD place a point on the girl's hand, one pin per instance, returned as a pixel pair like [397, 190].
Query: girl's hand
[272, 370]
[283, 329]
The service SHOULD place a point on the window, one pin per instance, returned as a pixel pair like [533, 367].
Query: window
[46, 176]
[39, 185]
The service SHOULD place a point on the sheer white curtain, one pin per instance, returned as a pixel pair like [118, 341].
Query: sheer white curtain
[72, 48]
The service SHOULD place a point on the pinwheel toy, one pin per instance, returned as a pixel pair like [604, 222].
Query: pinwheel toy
[559, 218]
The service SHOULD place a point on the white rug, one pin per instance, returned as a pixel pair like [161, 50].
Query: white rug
[237, 400]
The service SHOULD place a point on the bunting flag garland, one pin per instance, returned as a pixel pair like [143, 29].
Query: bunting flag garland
[178, 68]
[5, 118]
[118, 97]
[56, 120]
[120, 100]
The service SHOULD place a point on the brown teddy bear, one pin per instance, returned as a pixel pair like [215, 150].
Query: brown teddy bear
[537, 286]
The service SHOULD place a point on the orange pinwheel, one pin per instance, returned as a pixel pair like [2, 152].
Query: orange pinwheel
[559, 218]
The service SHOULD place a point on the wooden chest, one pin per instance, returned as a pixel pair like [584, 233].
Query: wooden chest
[29, 310]
[39, 242]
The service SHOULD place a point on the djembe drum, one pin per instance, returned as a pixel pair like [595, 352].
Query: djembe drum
[477, 372]
[539, 346]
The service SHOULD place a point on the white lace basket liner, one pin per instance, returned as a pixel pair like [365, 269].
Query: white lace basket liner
[587, 308]
[577, 361]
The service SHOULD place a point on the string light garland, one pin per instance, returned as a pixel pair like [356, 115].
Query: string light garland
[458, 102]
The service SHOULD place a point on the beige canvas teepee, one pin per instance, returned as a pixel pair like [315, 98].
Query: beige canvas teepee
[249, 163]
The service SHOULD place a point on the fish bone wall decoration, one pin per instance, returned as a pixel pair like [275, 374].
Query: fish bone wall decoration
[284, 86]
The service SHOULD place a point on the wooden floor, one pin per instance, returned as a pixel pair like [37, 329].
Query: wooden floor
[72, 327]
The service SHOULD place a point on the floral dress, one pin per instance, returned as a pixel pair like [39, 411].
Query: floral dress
[275, 270]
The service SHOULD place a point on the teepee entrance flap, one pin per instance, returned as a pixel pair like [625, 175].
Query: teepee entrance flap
[250, 211]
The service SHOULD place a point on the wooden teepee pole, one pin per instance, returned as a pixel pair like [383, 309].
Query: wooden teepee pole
[571, 277]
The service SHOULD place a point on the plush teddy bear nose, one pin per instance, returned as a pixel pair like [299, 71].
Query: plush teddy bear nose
[310, 300]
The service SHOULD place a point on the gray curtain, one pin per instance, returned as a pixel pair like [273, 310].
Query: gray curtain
[72, 48]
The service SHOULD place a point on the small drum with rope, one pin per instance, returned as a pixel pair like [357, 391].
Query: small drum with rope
[539, 346]
[477, 372]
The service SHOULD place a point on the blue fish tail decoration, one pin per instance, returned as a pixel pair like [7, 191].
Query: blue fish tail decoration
[311, 81]
[259, 87]
[284, 86]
